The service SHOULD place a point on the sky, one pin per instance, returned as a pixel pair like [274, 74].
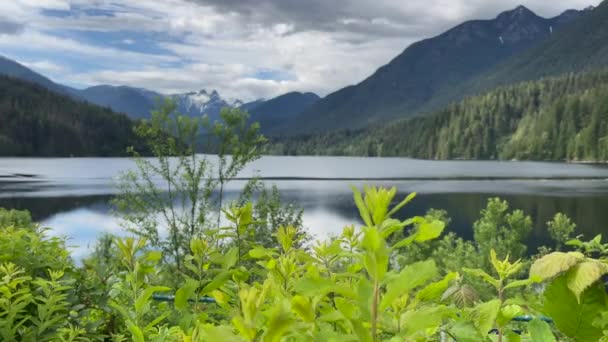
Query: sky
[245, 49]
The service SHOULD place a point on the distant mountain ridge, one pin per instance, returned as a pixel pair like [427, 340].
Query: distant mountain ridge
[281, 110]
[13, 69]
[412, 81]
[137, 103]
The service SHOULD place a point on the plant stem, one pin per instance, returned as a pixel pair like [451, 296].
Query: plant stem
[375, 310]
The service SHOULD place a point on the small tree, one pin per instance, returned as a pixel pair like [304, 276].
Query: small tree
[560, 229]
[174, 189]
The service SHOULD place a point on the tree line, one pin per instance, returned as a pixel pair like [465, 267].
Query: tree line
[562, 118]
[35, 121]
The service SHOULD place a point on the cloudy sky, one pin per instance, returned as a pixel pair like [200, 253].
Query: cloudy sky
[243, 48]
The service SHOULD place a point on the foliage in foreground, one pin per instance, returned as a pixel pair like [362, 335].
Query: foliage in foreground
[348, 288]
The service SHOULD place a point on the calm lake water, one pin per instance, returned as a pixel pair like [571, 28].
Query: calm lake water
[71, 195]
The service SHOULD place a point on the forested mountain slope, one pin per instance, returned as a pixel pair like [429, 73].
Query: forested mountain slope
[273, 113]
[420, 75]
[563, 118]
[581, 46]
[35, 121]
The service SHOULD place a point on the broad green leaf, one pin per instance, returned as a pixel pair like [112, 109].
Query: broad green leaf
[410, 277]
[144, 297]
[347, 308]
[572, 317]
[507, 313]
[217, 282]
[278, 325]
[539, 330]
[260, 253]
[484, 316]
[309, 287]
[230, 258]
[136, 334]
[372, 240]
[219, 333]
[551, 265]
[184, 293]
[303, 308]
[243, 329]
[429, 230]
[435, 290]
[583, 275]
[466, 332]
[423, 319]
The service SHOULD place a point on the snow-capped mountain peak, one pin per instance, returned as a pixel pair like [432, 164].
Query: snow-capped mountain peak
[203, 103]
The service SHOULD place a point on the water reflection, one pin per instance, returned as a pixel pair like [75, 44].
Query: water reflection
[325, 213]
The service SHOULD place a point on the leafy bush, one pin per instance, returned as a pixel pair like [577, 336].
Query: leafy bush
[357, 286]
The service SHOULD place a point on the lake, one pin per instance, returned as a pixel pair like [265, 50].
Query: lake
[71, 195]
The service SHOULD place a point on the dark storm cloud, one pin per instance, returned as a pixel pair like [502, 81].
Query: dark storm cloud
[381, 18]
[9, 27]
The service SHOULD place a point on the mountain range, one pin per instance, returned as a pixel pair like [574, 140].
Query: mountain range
[417, 80]
[137, 103]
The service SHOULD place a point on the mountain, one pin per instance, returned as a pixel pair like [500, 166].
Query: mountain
[249, 106]
[137, 103]
[13, 69]
[414, 80]
[280, 110]
[35, 121]
[581, 46]
[203, 103]
[561, 118]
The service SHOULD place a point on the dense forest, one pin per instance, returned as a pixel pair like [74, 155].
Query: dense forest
[562, 118]
[35, 121]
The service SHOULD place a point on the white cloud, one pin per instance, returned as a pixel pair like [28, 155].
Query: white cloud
[222, 44]
[44, 66]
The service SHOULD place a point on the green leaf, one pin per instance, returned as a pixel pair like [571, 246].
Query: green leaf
[540, 331]
[435, 290]
[519, 283]
[144, 297]
[429, 230]
[136, 334]
[507, 313]
[583, 275]
[278, 325]
[551, 265]
[230, 258]
[217, 282]
[346, 307]
[402, 204]
[363, 212]
[260, 253]
[484, 316]
[423, 319]
[572, 317]
[303, 308]
[483, 275]
[466, 332]
[308, 286]
[410, 277]
[184, 293]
